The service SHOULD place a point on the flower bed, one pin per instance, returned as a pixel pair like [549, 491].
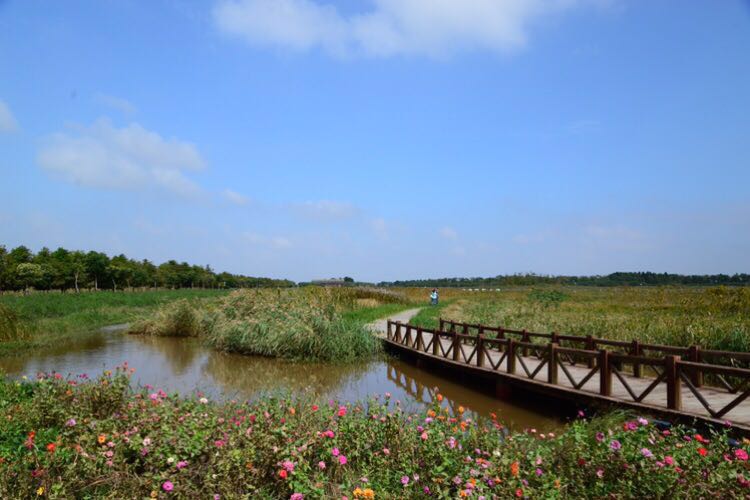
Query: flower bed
[75, 437]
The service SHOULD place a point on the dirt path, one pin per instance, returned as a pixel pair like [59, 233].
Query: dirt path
[380, 326]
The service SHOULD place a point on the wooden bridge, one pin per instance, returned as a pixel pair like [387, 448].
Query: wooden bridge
[676, 382]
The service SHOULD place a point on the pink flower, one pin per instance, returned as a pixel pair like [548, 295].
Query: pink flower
[288, 465]
[669, 460]
[329, 434]
[386, 451]
[181, 464]
[321, 465]
[740, 454]
[167, 486]
[600, 436]
[599, 473]
[424, 436]
[335, 452]
[646, 453]
[71, 422]
[342, 411]
[615, 445]
[342, 459]
[405, 480]
[297, 496]
[219, 443]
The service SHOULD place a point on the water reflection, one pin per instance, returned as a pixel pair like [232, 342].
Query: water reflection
[186, 366]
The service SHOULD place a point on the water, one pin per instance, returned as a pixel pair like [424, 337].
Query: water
[184, 365]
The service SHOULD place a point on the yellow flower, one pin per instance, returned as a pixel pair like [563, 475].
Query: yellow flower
[40, 491]
[154, 494]
[461, 409]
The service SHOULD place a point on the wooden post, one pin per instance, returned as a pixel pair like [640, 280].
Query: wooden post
[501, 336]
[674, 388]
[553, 338]
[408, 335]
[590, 347]
[389, 333]
[466, 329]
[420, 340]
[398, 332]
[636, 351]
[456, 347]
[552, 364]
[525, 338]
[695, 356]
[436, 340]
[480, 349]
[442, 323]
[511, 359]
[605, 374]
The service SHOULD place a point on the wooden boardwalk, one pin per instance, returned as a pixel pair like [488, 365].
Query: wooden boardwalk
[620, 373]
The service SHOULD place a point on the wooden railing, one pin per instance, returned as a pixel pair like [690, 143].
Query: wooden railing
[515, 352]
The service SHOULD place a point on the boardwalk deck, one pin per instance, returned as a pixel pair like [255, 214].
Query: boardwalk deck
[666, 385]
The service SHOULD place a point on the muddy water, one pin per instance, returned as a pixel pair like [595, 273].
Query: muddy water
[188, 367]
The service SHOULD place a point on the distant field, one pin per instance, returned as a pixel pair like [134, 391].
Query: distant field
[50, 317]
[714, 318]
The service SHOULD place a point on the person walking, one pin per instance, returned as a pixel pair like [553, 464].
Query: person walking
[434, 297]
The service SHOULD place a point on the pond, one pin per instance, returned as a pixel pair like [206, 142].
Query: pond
[186, 366]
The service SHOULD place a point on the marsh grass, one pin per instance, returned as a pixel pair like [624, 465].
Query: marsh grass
[310, 323]
[713, 318]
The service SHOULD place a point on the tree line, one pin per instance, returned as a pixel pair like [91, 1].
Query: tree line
[614, 279]
[62, 269]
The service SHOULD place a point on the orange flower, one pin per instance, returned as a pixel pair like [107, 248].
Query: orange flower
[431, 413]
[51, 447]
[292, 411]
[102, 438]
[514, 468]
[461, 409]
[440, 397]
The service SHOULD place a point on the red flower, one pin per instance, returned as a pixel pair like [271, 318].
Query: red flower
[51, 447]
[703, 452]
[282, 474]
[314, 407]
[581, 462]
[699, 438]
[519, 492]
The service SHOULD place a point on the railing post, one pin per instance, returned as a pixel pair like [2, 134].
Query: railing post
[605, 374]
[590, 347]
[553, 338]
[552, 364]
[398, 332]
[456, 347]
[501, 336]
[511, 359]
[695, 356]
[436, 342]
[480, 350]
[636, 351]
[408, 335]
[442, 324]
[389, 332]
[420, 340]
[674, 388]
[466, 329]
[525, 338]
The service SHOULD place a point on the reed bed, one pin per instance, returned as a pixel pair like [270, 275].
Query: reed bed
[307, 323]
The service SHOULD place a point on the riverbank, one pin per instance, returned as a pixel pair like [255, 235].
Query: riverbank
[43, 319]
[80, 437]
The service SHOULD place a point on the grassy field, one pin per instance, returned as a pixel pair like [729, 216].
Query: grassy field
[714, 318]
[309, 323]
[82, 438]
[35, 320]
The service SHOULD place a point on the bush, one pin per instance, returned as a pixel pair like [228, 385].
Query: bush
[10, 326]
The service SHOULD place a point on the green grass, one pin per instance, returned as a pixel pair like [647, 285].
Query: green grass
[45, 318]
[429, 316]
[310, 323]
[713, 318]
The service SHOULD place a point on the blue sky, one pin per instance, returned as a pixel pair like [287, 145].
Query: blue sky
[380, 139]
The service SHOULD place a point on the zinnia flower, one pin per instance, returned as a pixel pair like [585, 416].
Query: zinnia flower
[342, 459]
[167, 486]
[615, 445]
[405, 480]
[740, 454]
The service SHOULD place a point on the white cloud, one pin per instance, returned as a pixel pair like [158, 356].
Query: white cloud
[325, 210]
[118, 103]
[448, 233]
[130, 158]
[235, 197]
[434, 28]
[8, 122]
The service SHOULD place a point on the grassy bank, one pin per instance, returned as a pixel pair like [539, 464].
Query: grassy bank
[715, 318]
[43, 318]
[308, 323]
[96, 438]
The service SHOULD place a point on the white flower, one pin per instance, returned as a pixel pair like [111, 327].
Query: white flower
[170, 460]
[203, 401]
[146, 441]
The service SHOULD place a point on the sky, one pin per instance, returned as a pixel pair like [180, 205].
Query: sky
[380, 139]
